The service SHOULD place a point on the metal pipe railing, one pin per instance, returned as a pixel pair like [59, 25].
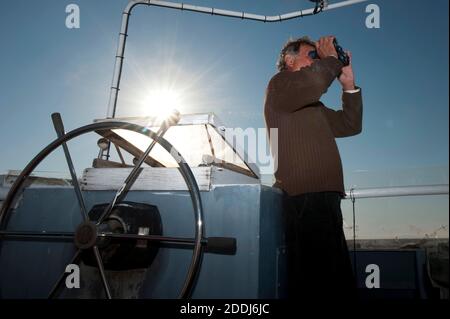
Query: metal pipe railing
[115, 87]
[397, 191]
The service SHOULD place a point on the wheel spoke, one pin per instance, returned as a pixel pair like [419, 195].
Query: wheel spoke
[121, 193]
[151, 238]
[5, 234]
[63, 276]
[102, 271]
[129, 181]
[59, 128]
[218, 245]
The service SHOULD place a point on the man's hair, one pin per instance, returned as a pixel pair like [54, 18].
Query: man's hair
[292, 47]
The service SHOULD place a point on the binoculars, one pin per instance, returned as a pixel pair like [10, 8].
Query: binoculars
[342, 56]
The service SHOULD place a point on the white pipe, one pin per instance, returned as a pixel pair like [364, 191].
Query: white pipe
[341, 4]
[112, 104]
[397, 191]
[244, 15]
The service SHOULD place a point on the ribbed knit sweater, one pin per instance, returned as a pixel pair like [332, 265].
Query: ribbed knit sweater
[307, 159]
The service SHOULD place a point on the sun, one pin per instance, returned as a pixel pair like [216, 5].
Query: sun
[162, 102]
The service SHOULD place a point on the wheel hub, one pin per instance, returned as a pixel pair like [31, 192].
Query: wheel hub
[126, 218]
[86, 235]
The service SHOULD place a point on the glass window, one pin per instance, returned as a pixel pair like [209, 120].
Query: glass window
[198, 144]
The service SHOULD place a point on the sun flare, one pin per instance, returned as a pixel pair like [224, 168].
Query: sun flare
[162, 102]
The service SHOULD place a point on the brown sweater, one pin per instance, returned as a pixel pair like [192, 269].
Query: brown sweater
[308, 157]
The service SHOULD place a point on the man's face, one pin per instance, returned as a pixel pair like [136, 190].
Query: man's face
[302, 58]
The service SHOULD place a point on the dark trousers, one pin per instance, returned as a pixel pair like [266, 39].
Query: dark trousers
[319, 264]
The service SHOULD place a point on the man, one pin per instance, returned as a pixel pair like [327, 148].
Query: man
[309, 166]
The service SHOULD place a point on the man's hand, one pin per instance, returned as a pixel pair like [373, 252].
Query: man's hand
[347, 78]
[325, 47]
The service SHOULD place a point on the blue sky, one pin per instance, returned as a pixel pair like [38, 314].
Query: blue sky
[223, 65]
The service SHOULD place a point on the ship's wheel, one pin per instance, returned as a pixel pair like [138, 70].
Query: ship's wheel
[101, 226]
